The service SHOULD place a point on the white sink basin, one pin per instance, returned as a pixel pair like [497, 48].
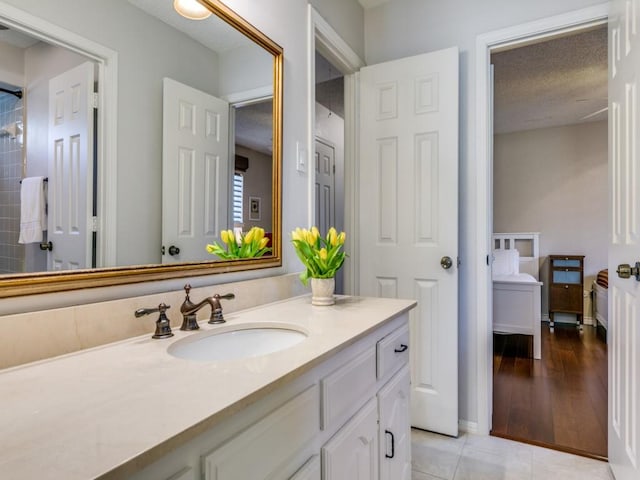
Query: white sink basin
[235, 344]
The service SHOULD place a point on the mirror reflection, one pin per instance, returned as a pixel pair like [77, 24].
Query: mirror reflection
[214, 137]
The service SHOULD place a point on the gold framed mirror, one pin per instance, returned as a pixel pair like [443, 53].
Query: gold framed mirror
[257, 207]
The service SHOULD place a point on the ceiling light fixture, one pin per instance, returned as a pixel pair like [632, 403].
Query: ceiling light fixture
[191, 9]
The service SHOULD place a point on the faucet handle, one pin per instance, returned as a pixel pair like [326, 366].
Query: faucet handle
[216, 310]
[187, 289]
[163, 327]
[226, 296]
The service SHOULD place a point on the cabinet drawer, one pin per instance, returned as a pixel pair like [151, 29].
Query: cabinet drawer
[566, 262]
[261, 450]
[565, 298]
[344, 390]
[393, 351]
[567, 276]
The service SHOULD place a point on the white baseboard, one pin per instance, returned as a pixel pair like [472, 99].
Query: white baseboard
[466, 426]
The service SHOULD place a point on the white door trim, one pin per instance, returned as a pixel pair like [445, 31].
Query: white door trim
[107, 61]
[485, 43]
[327, 41]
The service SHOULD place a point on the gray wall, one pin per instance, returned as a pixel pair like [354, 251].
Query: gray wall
[409, 27]
[554, 181]
[346, 18]
[257, 183]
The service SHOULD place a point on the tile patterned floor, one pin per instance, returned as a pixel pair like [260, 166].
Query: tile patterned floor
[475, 457]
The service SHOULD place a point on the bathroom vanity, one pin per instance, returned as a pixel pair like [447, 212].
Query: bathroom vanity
[334, 406]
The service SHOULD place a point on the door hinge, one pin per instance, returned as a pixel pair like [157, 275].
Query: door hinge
[94, 224]
[95, 100]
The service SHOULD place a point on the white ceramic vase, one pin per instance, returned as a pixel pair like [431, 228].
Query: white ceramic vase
[322, 291]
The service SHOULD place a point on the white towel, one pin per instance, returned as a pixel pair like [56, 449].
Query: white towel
[33, 219]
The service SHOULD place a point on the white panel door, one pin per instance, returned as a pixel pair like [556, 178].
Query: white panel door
[195, 171]
[325, 160]
[624, 235]
[395, 428]
[70, 165]
[408, 182]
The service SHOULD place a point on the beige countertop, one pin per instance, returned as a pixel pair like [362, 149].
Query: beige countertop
[96, 412]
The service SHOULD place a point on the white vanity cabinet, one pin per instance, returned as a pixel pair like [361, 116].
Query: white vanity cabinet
[309, 471]
[393, 405]
[347, 418]
[395, 428]
[268, 448]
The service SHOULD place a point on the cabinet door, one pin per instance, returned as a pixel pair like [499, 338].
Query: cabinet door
[395, 428]
[310, 470]
[352, 453]
[267, 448]
[565, 298]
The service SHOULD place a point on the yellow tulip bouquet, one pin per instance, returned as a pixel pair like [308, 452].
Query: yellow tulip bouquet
[252, 244]
[322, 256]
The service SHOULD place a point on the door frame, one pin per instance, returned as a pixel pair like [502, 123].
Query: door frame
[322, 37]
[107, 77]
[546, 28]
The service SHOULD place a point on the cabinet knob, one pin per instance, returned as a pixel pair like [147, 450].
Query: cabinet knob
[566, 286]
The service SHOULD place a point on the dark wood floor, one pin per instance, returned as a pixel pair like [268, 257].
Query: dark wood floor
[559, 401]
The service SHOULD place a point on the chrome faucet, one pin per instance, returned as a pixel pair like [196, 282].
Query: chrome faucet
[189, 309]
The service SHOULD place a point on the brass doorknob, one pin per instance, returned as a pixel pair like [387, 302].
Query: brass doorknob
[446, 262]
[626, 271]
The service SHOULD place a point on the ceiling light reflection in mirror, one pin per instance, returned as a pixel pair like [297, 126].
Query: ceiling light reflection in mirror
[191, 9]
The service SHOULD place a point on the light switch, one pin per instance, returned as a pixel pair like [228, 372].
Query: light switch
[301, 158]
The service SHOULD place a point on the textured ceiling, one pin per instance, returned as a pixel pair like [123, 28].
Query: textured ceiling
[558, 82]
[254, 126]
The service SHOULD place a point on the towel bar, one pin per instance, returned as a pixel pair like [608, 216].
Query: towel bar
[45, 179]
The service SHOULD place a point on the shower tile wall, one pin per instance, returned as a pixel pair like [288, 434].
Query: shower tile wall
[12, 254]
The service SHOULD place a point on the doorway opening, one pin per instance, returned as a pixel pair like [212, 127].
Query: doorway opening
[324, 40]
[27, 132]
[328, 156]
[549, 176]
